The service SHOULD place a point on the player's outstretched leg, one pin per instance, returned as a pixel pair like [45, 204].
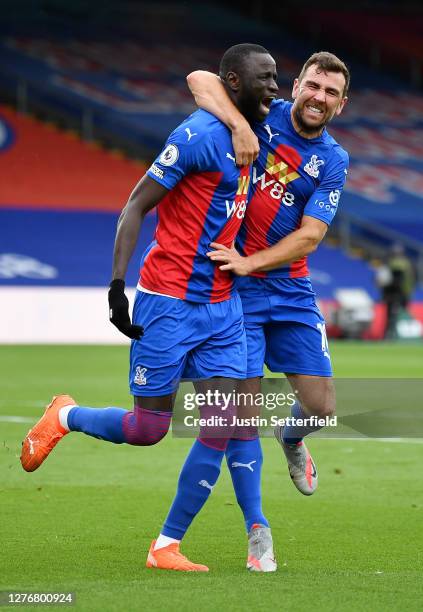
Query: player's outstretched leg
[261, 557]
[43, 437]
[139, 427]
[300, 463]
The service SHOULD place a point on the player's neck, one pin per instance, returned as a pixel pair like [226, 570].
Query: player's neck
[236, 102]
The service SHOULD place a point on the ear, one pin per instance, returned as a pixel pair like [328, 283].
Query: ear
[295, 89]
[341, 106]
[233, 81]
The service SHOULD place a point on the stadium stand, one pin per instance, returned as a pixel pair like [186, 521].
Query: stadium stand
[385, 34]
[47, 168]
[390, 36]
[137, 92]
[59, 206]
[60, 203]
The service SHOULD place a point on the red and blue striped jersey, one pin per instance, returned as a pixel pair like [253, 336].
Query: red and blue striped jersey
[206, 203]
[292, 176]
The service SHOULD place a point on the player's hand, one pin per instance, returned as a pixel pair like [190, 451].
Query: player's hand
[246, 145]
[233, 261]
[119, 311]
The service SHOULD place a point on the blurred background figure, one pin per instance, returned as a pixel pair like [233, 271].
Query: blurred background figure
[397, 280]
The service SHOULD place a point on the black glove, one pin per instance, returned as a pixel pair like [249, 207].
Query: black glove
[119, 311]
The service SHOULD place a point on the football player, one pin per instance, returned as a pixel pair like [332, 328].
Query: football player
[187, 320]
[297, 180]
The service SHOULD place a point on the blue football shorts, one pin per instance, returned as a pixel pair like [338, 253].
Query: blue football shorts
[185, 340]
[285, 328]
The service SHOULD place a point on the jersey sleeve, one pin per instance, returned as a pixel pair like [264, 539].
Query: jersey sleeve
[189, 148]
[323, 204]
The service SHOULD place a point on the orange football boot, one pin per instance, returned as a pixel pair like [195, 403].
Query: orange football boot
[169, 558]
[44, 436]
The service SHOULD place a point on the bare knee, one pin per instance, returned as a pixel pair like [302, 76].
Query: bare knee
[324, 407]
[316, 394]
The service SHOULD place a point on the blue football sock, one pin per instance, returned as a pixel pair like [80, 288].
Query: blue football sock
[245, 458]
[293, 434]
[197, 478]
[102, 423]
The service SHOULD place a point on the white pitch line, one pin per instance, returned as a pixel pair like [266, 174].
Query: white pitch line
[403, 440]
[35, 403]
[22, 419]
[16, 419]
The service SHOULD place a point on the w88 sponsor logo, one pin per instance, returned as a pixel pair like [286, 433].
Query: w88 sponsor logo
[239, 204]
[236, 208]
[276, 190]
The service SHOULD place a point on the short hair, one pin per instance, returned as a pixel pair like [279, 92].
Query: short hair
[328, 62]
[234, 59]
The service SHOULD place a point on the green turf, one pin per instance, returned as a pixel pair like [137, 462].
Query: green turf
[84, 521]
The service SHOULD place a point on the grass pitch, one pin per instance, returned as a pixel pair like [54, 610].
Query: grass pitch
[84, 521]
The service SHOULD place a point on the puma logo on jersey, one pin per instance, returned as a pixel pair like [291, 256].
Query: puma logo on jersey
[204, 483]
[236, 464]
[229, 156]
[190, 134]
[269, 131]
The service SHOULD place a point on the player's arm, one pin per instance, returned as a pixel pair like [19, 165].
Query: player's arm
[146, 195]
[318, 215]
[296, 245]
[210, 95]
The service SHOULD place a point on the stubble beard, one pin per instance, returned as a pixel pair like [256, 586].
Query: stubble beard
[305, 128]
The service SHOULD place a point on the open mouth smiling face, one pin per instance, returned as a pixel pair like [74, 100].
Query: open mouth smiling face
[265, 105]
[317, 98]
